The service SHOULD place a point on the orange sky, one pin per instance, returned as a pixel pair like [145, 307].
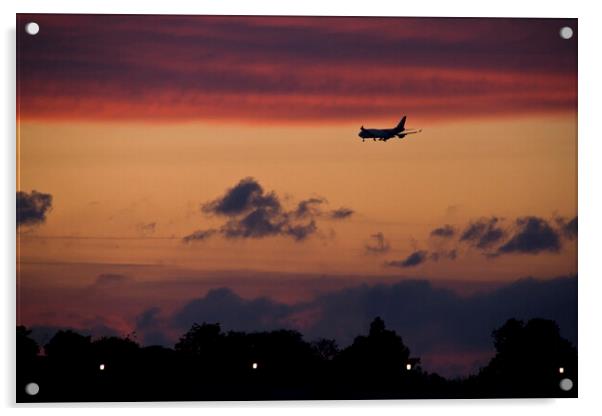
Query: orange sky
[108, 179]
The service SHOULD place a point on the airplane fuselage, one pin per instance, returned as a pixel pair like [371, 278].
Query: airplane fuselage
[377, 133]
[385, 134]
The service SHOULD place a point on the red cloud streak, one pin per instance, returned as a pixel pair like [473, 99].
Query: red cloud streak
[291, 69]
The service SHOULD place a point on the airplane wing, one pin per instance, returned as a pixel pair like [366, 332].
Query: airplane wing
[403, 134]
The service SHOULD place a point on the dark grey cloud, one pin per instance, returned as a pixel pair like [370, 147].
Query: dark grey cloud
[379, 245]
[148, 318]
[233, 312]
[150, 327]
[570, 229]
[199, 235]
[493, 237]
[421, 256]
[309, 207]
[445, 231]
[567, 228]
[526, 235]
[430, 320]
[483, 233]
[312, 207]
[33, 207]
[414, 259]
[341, 213]
[301, 231]
[252, 212]
[44, 333]
[261, 222]
[444, 254]
[243, 197]
[531, 236]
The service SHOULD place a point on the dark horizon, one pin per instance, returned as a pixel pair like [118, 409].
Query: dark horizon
[207, 363]
[452, 350]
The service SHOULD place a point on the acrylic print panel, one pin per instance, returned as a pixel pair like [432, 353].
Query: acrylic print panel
[258, 208]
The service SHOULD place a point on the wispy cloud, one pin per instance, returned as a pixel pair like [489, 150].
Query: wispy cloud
[32, 208]
[301, 69]
[445, 231]
[532, 235]
[251, 212]
[483, 233]
[414, 259]
[379, 244]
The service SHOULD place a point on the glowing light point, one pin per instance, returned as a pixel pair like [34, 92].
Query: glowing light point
[101, 367]
[254, 366]
[561, 370]
[408, 367]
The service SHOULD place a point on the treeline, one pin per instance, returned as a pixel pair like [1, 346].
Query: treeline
[209, 364]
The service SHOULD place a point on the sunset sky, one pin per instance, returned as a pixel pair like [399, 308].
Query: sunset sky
[208, 168]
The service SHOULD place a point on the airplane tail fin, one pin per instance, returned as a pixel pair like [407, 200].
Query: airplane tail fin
[401, 124]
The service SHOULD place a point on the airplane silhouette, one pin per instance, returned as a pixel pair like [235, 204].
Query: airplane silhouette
[386, 134]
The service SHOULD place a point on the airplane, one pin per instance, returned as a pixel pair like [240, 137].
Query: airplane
[386, 134]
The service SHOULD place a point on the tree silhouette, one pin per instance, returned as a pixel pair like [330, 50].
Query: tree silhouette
[205, 339]
[374, 364]
[27, 363]
[326, 349]
[27, 348]
[209, 364]
[530, 361]
[69, 348]
[382, 351]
